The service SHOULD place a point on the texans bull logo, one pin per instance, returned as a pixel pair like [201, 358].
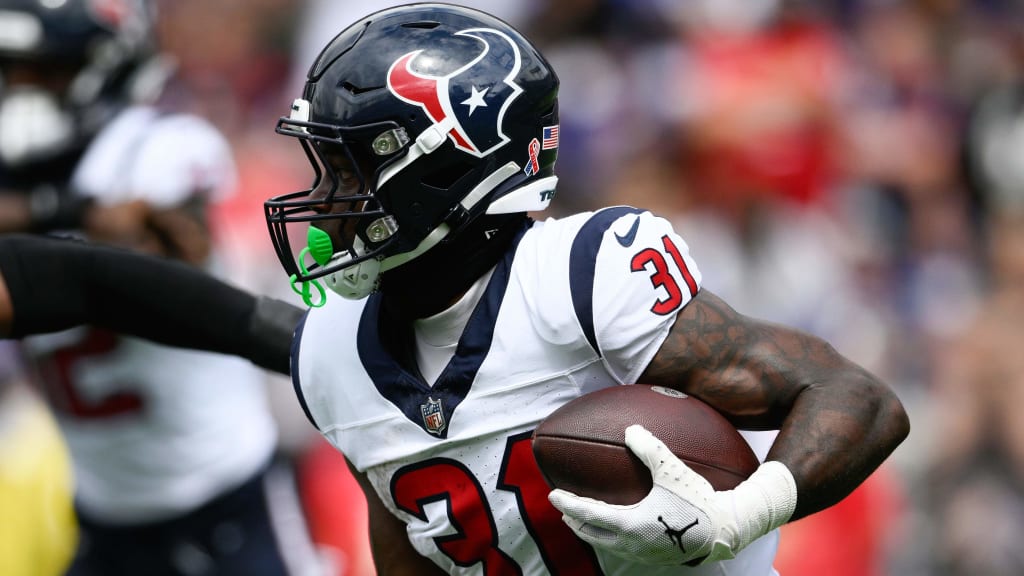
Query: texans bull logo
[469, 100]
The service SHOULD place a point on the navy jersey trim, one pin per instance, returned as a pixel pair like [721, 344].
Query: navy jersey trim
[295, 369]
[583, 262]
[431, 407]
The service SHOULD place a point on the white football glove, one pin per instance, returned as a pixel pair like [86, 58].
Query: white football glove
[683, 519]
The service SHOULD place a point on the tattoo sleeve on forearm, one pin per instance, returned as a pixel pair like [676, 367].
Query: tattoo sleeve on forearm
[837, 422]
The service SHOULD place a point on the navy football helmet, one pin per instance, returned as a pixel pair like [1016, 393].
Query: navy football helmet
[417, 121]
[65, 69]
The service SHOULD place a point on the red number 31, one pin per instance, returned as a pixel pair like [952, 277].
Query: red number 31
[477, 541]
[662, 278]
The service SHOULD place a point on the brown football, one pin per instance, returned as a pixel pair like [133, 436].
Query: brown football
[580, 447]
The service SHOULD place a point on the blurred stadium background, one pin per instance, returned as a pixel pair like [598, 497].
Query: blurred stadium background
[854, 168]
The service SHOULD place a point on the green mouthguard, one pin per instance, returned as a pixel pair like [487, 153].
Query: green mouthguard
[320, 248]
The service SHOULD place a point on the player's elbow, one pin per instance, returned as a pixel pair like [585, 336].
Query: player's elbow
[891, 419]
[900, 421]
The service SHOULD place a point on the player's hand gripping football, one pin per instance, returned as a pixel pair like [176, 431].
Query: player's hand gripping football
[683, 520]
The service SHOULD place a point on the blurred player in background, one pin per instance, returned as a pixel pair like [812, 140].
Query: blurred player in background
[173, 450]
[433, 131]
[48, 113]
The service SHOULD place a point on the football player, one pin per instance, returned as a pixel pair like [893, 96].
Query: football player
[433, 132]
[50, 284]
[173, 450]
[54, 96]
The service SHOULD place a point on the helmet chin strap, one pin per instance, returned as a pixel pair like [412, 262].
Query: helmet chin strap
[432, 239]
[427, 142]
[359, 280]
[356, 281]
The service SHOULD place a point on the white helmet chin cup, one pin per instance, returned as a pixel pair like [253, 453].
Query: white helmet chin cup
[357, 281]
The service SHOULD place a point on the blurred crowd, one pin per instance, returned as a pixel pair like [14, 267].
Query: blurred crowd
[851, 167]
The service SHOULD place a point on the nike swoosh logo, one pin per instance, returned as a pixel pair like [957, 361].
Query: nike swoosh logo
[627, 240]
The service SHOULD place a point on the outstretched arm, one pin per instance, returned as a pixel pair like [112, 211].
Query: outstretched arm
[837, 422]
[50, 284]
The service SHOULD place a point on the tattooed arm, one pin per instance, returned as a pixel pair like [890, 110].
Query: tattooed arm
[837, 422]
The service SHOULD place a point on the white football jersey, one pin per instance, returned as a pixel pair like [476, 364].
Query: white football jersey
[579, 304]
[154, 431]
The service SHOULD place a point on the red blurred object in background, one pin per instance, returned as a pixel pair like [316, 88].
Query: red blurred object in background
[852, 538]
[335, 510]
[761, 114]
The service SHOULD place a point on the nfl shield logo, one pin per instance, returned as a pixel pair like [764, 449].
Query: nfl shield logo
[433, 416]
